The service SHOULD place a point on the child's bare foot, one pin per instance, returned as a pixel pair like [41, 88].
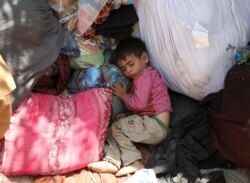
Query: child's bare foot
[132, 168]
[103, 167]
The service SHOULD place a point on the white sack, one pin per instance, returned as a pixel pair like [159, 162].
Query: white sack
[187, 40]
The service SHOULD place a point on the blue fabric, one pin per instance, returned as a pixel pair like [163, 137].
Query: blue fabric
[92, 77]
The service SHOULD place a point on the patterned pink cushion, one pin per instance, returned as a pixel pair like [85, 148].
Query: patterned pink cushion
[56, 134]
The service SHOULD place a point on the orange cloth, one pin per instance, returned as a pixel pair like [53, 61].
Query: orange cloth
[7, 85]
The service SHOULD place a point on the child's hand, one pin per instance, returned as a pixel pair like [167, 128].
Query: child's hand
[119, 89]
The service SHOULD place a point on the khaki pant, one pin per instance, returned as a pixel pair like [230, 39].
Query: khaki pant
[120, 147]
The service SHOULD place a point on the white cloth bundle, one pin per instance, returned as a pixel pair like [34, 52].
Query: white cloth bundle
[187, 40]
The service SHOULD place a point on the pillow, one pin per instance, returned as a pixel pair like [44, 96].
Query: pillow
[56, 134]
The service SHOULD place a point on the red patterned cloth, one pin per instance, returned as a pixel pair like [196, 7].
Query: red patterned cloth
[55, 83]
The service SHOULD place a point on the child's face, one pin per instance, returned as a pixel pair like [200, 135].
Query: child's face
[133, 65]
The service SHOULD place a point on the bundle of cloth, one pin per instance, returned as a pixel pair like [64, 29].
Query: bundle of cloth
[30, 44]
[229, 116]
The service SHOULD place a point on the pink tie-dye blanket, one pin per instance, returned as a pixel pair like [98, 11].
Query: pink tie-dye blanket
[56, 134]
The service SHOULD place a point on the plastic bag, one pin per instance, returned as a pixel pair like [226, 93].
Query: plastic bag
[90, 54]
[93, 77]
[70, 46]
[69, 18]
[187, 40]
[143, 176]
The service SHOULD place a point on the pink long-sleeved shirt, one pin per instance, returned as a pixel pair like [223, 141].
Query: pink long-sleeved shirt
[148, 94]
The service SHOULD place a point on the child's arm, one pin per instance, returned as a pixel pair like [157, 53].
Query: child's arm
[138, 99]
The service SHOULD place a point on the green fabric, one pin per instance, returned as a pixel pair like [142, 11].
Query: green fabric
[160, 122]
[86, 59]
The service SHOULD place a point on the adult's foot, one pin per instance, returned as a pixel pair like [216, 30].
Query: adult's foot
[102, 167]
[132, 168]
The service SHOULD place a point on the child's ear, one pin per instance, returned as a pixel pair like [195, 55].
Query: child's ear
[144, 57]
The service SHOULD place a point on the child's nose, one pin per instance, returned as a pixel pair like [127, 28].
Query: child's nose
[128, 70]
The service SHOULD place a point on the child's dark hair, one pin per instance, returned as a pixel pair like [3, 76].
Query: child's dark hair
[128, 46]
